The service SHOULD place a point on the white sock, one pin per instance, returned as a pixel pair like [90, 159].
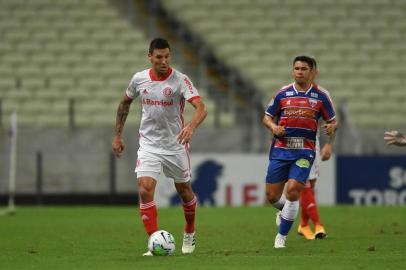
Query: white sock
[281, 236]
[280, 203]
[290, 210]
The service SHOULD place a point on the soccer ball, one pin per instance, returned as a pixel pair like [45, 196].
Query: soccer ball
[161, 243]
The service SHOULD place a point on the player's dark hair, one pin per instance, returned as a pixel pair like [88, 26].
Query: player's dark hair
[307, 59]
[158, 43]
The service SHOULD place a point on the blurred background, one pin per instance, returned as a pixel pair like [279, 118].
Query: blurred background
[65, 64]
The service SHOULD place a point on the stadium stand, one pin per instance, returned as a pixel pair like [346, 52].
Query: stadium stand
[53, 52]
[359, 46]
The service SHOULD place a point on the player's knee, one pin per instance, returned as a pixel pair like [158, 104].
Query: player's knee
[184, 190]
[292, 194]
[272, 197]
[145, 191]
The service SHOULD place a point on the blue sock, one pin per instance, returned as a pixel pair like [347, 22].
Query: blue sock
[285, 226]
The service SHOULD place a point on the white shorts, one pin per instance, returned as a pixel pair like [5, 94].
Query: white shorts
[176, 166]
[315, 169]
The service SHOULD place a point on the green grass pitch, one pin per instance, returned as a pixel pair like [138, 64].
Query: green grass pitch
[227, 238]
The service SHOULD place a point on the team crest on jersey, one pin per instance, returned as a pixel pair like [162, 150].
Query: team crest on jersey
[303, 163]
[313, 102]
[314, 95]
[167, 92]
[289, 93]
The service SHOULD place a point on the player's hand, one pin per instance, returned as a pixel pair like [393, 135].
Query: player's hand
[278, 131]
[118, 146]
[394, 137]
[325, 152]
[185, 135]
[330, 128]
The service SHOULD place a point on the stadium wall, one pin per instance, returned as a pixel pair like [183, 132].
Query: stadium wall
[79, 162]
[237, 180]
[77, 167]
[371, 180]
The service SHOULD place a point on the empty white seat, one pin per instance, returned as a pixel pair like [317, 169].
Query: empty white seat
[62, 83]
[32, 83]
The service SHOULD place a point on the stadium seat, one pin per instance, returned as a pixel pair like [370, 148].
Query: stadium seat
[60, 25]
[44, 36]
[7, 82]
[20, 95]
[75, 35]
[14, 59]
[32, 83]
[117, 85]
[85, 71]
[57, 70]
[85, 47]
[43, 58]
[97, 58]
[77, 93]
[48, 94]
[6, 72]
[57, 47]
[29, 47]
[397, 93]
[62, 84]
[91, 83]
[70, 58]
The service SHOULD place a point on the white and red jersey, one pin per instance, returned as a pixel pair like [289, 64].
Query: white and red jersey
[163, 103]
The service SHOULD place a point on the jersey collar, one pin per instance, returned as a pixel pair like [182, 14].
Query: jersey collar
[306, 92]
[153, 78]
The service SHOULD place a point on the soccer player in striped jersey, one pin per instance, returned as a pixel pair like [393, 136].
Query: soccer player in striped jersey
[292, 117]
[163, 136]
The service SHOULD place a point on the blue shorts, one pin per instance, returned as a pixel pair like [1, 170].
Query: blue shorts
[282, 170]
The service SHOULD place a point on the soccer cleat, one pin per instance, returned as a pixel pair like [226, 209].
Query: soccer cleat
[278, 218]
[280, 241]
[320, 233]
[148, 253]
[306, 232]
[189, 243]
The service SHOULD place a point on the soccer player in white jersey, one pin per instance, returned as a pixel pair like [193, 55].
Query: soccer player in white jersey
[163, 136]
[308, 203]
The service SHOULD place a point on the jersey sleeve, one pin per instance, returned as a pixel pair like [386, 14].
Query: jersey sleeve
[132, 89]
[189, 92]
[274, 105]
[327, 109]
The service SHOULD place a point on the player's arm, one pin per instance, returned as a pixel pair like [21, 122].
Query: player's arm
[272, 126]
[330, 128]
[122, 113]
[199, 115]
[326, 151]
[394, 137]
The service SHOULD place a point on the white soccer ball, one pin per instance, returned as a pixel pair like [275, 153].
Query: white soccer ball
[161, 243]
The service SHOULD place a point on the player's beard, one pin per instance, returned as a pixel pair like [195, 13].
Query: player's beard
[163, 70]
